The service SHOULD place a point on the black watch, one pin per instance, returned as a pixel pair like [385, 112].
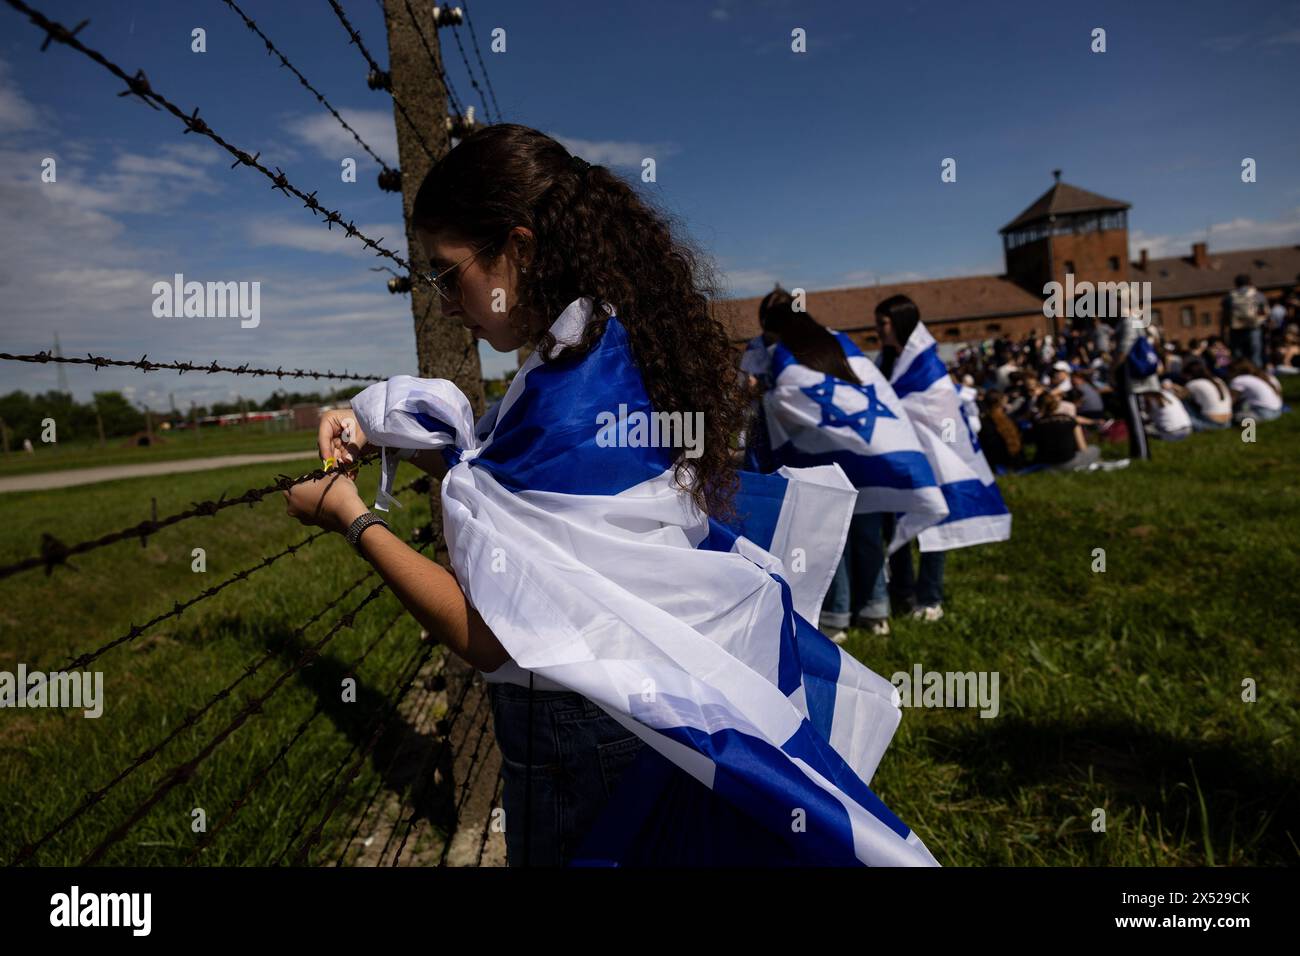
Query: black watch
[362, 522]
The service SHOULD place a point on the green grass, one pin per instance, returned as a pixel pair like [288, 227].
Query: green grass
[252, 439]
[1118, 690]
[50, 758]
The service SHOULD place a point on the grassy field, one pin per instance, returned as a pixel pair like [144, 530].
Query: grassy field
[50, 759]
[1119, 690]
[252, 439]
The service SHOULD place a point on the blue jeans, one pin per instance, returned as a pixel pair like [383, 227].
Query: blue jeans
[1258, 412]
[557, 779]
[923, 589]
[1200, 423]
[1247, 343]
[859, 583]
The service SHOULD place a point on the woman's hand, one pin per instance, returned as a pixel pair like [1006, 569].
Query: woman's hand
[341, 438]
[331, 502]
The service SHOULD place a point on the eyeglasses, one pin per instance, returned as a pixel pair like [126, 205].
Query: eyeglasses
[446, 284]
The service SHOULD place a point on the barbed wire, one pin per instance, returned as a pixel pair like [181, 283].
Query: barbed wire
[138, 85]
[423, 781]
[380, 76]
[240, 801]
[314, 836]
[144, 365]
[455, 33]
[479, 56]
[185, 771]
[377, 717]
[466, 783]
[359, 818]
[54, 551]
[84, 660]
[93, 797]
[431, 686]
[320, 98]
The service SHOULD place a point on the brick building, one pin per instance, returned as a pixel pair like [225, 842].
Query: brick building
[1065, 230]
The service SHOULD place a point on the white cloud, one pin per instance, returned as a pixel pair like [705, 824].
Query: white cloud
[17, 113]
[323, 132]
[616, 152]
[309, 236]
[1239, 233]
[739, 283]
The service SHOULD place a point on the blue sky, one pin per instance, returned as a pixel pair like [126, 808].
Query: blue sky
[818, 169]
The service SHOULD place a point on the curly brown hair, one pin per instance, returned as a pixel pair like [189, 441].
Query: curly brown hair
[596, 237]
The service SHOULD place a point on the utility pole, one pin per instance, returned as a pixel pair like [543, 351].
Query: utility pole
[444, 349]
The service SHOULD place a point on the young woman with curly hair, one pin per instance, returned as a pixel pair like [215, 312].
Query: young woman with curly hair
[518, 231]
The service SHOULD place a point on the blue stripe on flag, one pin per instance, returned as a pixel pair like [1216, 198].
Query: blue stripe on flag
[546, 441]
[898, 469]
[926, 369]
[972, 499]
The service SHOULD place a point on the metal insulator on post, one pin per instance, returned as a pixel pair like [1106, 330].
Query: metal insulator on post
[447, 16]
[390, 180]
[378, 80]
[461, 126]
[399, 284]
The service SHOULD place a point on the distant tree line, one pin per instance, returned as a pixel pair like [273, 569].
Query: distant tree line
[22, 414]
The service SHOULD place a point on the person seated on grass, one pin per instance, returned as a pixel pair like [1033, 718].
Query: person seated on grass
[1167, 417]
[1058, 439]
[1086, 396]
[999, 436]
[1256, 396]
[1207, 399]
[1286, 355]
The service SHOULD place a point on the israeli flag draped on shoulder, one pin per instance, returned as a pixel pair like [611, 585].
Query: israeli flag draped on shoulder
[976, 511]
[817, 419]
[599, 575]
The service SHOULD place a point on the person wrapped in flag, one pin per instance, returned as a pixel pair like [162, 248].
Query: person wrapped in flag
[830, 405]
[638, 607]
[909, 357]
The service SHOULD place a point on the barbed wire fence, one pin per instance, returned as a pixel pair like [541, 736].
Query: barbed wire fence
[437, 739]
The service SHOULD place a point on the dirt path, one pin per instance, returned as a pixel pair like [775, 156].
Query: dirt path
[87, 476]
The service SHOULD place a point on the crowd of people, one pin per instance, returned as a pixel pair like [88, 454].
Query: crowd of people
[1046, 403]
[1039, 403]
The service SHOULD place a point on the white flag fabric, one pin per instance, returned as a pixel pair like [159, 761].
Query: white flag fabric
[815, 419]
[976, 511]
[598, 575]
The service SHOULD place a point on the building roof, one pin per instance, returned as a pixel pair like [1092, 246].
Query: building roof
[1177, 276]
[968, 297]
[1063, 198]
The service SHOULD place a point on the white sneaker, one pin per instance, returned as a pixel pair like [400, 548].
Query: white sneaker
[875, 625]
[928, 613]
[836, 634]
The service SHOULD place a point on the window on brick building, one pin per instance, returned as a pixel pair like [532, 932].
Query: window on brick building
[1114, 263]
[1155, 317]
[1205, 318]
[1069, 265]
[953, 333]
[993, 327]
[1188, 316]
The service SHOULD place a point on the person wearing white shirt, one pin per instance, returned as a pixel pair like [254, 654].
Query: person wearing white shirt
[1208, 400]
[1169, 418]
[1259, 398]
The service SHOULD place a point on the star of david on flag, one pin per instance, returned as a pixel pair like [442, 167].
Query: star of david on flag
[833, 416]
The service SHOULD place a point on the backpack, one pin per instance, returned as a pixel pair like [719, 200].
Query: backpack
[1243, 308]
[1142, 358]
